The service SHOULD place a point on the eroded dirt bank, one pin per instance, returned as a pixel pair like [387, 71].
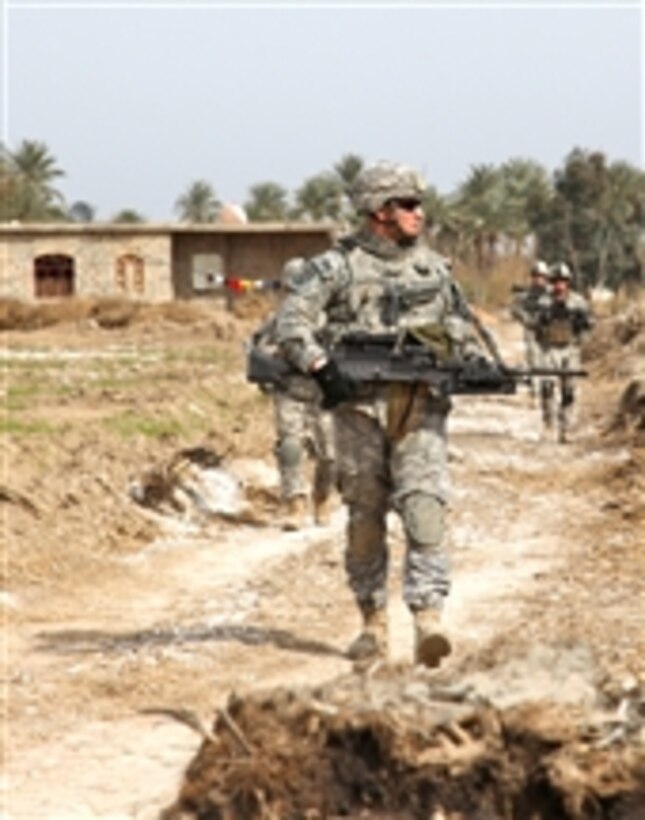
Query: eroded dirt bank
[119, 614]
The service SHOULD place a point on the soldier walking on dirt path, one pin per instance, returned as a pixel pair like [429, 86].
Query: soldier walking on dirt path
[302, 429]
[390, 438]
[562, 319]
[524, 310]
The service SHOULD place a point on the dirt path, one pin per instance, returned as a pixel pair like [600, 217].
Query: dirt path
[198, 614]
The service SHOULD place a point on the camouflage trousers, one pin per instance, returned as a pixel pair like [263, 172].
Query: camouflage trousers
[303, 430]
[532, 357]
[407, 475]
[557, 396]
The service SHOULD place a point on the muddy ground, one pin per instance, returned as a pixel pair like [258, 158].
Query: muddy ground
[148, 585]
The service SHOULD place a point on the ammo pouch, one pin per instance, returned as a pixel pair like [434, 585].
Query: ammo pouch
[302, 388]
[406, 405]
[558, 333]
[435, 338]
[408, 402]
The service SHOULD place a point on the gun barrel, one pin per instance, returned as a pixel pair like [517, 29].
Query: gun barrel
[549, 372]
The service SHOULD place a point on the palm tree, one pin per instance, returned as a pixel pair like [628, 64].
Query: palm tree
[526, 185]
[81, 212]
[319, 198]
[35, 169]
[347, 170]
[268, 201]
[199, 203]
[128, 216]
[9, 186]
[480, 201]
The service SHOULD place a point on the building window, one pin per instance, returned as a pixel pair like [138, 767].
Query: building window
[53, 275]
[129, 274]
[207, 271]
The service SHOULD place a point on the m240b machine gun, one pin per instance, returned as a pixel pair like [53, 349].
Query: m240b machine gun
[367, 358]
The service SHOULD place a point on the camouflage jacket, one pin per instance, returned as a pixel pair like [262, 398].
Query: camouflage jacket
[367, 284]
[298, 387]
[525, 306]
[559, 323]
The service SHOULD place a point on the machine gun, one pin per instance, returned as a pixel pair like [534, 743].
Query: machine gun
[383, 358]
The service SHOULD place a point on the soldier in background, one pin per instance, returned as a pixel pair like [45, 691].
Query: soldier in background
[524, 310]
[303, 430]
[390, 438]
[562, 319]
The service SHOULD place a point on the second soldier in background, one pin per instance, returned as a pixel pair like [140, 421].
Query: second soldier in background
[525, 309]
[303, 429]
[561, 321]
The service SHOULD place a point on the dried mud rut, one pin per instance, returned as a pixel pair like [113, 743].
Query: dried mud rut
[211, 612]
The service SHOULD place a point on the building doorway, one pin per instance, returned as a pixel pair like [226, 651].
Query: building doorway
[130, 274]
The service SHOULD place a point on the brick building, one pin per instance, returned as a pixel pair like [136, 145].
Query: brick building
[151, 262]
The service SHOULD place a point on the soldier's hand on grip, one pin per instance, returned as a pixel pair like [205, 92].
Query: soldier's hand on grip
[336, 387]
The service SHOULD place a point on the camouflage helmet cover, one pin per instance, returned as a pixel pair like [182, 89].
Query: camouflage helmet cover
[378, 183]
[560, 271]
[539, 268]
[291, 270]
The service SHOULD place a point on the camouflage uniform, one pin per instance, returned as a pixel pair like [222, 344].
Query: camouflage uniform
[382, 461]
[560, 324]
[524, 310]
[302, 428]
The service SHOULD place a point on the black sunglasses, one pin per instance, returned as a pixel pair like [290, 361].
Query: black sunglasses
[406, 204]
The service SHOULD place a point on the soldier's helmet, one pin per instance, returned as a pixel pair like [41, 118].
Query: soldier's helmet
[291, 270]
[560, 271]
[539, 268]
[378, 183]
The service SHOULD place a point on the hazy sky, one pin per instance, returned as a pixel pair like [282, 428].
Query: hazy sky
[136, 100]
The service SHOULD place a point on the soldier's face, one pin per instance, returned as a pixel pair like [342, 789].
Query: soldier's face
[560, 288]
[403, 218]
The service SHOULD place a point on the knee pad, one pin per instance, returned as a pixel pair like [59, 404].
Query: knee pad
[567, 395]
[546, 389]
[289, 451]
[424, 519]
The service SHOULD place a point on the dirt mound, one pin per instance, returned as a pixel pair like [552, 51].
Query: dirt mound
[617, 344]
[17, 315]
[629, 417]
[254, 307]
[399, 744]
[108, 313]
[615, 356]
[200, 485]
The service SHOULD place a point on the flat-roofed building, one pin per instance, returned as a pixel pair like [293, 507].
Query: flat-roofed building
[147, 261]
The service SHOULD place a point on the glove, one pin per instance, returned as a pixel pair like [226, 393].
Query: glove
[579, 322]
[336, 387]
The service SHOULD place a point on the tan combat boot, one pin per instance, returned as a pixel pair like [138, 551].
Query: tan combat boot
[371, 644]
[322, 511]
[296, 511]
[431, 643]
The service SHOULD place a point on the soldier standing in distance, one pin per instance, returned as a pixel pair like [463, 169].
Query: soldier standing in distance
[390, 439]
[562, 319]
[524, 310]
[303, 429]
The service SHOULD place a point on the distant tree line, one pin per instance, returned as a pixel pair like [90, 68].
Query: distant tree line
[590, 212]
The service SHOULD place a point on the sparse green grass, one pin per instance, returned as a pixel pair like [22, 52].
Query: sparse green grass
[15, 427]
[216, 354]
[130, 425]
[21, 395]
